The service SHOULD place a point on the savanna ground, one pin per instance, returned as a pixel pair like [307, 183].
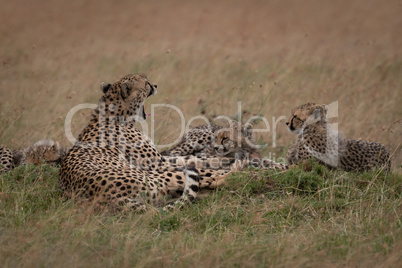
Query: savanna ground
[206, 56]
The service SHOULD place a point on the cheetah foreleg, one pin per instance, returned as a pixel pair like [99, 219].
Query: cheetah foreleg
[190, 192]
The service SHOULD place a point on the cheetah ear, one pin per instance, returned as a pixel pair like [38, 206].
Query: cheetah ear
[317, 114]
[320, 112]
[248, 130]
[55, 147]
[125, 90]
[105, 87]
[231, 123]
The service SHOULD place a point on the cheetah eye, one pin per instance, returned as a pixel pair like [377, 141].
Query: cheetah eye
[224, 138]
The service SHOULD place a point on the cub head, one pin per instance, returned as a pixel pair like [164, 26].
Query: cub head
[44, 151]
[234, 138]
[305, 115]
[126, 97]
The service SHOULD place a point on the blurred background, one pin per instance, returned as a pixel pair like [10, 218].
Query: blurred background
[205, 56]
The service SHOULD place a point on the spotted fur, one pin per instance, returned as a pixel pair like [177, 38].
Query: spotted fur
[316, 139]
[115, 163]
[234, 142]
[42, 152]
[197, 141]
[6, 160]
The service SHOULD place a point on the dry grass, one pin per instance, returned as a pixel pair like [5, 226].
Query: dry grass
[271, 56]
[205, 56]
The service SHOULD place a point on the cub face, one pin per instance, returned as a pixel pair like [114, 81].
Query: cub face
[44, 151]
[231, 139]
[305, 115]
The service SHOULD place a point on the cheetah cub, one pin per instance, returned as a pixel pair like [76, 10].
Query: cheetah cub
[239, 141]
[6, 160]
[234, 140]
[43, 151]
[315, 138]
[231, 142]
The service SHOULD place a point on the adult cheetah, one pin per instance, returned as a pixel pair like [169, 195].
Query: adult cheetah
[315, 138]
[113, 162]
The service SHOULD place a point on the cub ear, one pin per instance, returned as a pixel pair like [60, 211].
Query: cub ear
[105, 87]
[125, 89]
[56, 147]
[248, 130]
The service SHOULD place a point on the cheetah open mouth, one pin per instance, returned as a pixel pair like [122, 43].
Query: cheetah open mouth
[145, 115]
[152, 92]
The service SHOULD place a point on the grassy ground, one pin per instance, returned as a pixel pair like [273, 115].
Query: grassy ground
[206, 56]
[309, 216]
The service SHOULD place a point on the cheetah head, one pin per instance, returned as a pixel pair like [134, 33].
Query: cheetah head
[234, 138]
[47, 151]
[306, 114]
[126, 97]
